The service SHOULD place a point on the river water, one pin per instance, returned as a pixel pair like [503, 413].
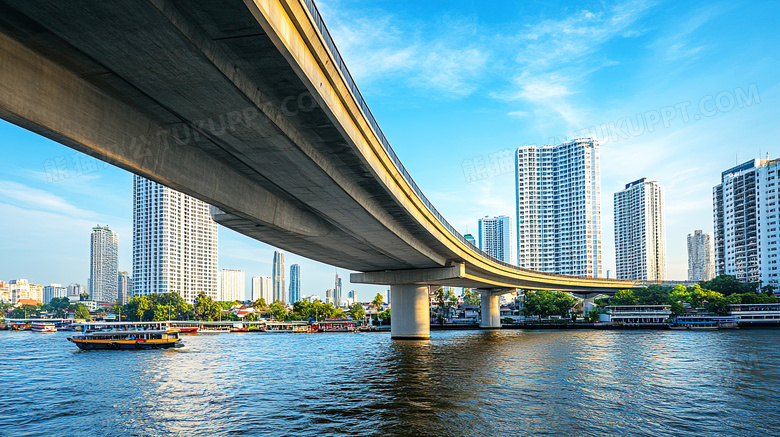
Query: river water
[458, 383]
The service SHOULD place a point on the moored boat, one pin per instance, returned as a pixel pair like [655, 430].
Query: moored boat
[703, 323]
[145, 339]
[43, 327]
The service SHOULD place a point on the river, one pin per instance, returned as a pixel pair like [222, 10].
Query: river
[459, 383]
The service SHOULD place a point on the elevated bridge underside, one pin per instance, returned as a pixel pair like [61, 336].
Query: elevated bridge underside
[242, 105]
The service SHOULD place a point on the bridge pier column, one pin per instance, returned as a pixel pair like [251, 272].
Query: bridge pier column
[490, 309]
[411, 318]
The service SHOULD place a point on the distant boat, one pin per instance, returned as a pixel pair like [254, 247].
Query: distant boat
[43, 327]
[214, 331]
[142, 339]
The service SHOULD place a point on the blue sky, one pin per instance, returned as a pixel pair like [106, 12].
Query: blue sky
[676, 91]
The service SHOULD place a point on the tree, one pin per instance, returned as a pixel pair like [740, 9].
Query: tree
[206, 308]
[278, 310]
[545, 303]
[679, 294]
[162, 313]
[303, 309]
[357, 311]
[726, 285]
[82, 312]
[624, 297]
[445, 300]
[138, 309]
[471, 297]
[378, 299]
[83, 296]
[260, 304]
[59, 303]
[653, 295]
[384, 316]
[593, 315]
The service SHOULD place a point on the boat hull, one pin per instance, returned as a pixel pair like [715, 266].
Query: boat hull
[88, 345]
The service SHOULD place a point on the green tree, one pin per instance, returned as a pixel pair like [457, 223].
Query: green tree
[83, 296]
[206, 308]
[679, 294]
[384, 316]
[471, 297]
[378, 299]
[59, 303]
[278, 310]
[260, 304]
[162, 312]
[138, 309]
[593, 315]
[624, 297]
[653, 295]
[545, 303]
[726, 285]
[82, 312]
[303, 308]
[357, 311]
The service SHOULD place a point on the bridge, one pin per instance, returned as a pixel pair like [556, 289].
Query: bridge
[248, 106]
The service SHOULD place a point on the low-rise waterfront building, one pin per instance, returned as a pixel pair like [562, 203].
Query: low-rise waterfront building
[636, 315]
[755, 313]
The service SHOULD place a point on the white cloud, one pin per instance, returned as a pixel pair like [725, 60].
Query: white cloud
[555, 56]
[379, 46]
[38, 199]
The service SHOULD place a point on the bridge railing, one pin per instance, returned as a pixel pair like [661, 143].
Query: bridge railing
[342, 66]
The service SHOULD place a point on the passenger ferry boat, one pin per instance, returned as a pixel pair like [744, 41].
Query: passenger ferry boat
[130, 339]
[335, 325]
[43, 327]
[123, 326]
[703, 323]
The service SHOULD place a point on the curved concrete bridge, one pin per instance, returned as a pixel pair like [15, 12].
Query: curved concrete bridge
[248, 106]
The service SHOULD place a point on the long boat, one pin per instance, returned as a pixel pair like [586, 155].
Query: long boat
[144, 339]
[703, 323]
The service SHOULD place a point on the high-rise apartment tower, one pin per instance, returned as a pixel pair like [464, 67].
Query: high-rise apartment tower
[558, 199]
[174, 243]
[103, 271]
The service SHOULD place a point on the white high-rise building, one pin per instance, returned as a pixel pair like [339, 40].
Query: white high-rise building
[231, 285]
[495, 237]
[125, 288]
[280, 292]
[640, 232]
[701, 256]
[76, 290]
[745, 212]
[54, 291]
[174, 243]
[103, 271]
[262, 287]
[558, 198]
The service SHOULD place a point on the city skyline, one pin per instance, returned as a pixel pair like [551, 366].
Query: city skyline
[52, 193]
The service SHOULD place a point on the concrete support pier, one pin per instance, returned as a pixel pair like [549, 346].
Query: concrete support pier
[490, 309]
[411, 312]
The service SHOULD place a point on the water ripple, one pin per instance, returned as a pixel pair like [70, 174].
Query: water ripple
[458, 383]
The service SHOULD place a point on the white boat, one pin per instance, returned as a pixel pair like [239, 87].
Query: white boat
[43, 327]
